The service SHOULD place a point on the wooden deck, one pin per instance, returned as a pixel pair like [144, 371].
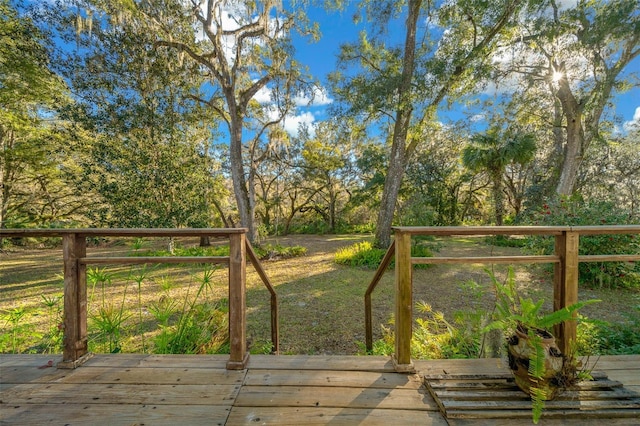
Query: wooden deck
[127, 389]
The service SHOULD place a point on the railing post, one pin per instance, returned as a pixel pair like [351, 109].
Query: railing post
[75, 350]
[565, 285]
[237, 303]
[404, 303]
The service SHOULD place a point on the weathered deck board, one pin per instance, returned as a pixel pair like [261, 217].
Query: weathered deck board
[109, 414]
[309, 396]
[333, 416]
[154, 375]
[493, 395]
[94, 393]
[128, 389]
[358, 379]
[316, 362]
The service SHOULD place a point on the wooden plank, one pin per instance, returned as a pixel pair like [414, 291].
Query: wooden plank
[628, 377]
[486, 259]
[177, 375]
[204, 361]
[609, 258]
[613, 362]
[362, 379]
[565, 286]
[123, 232]
[482, 230]
[27, 374]
[334, 416]
[238, 357]
[31, 360]
[485, 366]
[316, 396]
[123, 360]
[514, 394]
[612, 229]
[75, 341]
[403, 302]
[525, 404]
[114, 415]
[321, 362]
[596, 418]
[90, 393]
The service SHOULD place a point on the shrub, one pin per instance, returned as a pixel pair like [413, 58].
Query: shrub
[203, 329]
[434, 337]
[604, 338]
[277, 251]
[267, 251]
[360, 254]
[364, 254]
[505, 241]
[570, 212]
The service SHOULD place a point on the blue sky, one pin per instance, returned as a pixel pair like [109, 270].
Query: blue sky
[338, 28]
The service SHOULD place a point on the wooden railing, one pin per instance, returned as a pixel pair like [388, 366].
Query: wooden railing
[565, 277]
[74, 249]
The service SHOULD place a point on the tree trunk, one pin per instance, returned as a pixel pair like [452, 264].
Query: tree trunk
[5, 146]
[498, 199]
[574, 148]
[240, 189]
[397, 160]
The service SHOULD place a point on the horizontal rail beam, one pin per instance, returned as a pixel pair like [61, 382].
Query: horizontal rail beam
[482, 230]
[518, 230]
[123, 232]
[609, 258]
[136, 260]
[486, 259]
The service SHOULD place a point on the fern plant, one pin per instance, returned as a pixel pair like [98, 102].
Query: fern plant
[531, 342]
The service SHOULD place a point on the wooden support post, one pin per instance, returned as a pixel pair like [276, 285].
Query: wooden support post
[75, 351]
[237, 303]
[404, 303]
[565, 283]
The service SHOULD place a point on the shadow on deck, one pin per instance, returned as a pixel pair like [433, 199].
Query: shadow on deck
[128, 389]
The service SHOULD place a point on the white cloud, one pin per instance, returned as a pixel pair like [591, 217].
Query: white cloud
[291, 123]
[634, 123]
[319, 98]
[263, 96]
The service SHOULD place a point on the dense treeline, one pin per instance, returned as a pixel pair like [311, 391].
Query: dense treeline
[172, 114]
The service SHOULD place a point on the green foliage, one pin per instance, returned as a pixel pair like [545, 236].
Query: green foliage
[505, 241]
[538, 397]
[277, 251]
[109, 318]
[434, 337]
[492, 152]
[360, 254]
[513, 311]
[364, 254]
[222, 250]
[202, 328]
[575, 212]
[52, 340]
[264, 252]
[18, 330]
[597, 337]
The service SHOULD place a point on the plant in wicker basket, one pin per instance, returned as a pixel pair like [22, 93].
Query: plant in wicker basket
[539, 367]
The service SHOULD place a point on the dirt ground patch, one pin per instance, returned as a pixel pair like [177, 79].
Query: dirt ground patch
[321, 303]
